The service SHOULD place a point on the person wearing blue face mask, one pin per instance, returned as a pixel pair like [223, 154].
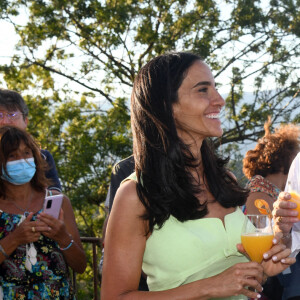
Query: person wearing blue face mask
[14, 112]
[19, 171]
[36, 249]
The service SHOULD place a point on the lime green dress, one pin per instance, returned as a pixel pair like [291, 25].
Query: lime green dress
[183, 252]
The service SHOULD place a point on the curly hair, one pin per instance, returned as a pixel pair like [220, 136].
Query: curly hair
[274, 152]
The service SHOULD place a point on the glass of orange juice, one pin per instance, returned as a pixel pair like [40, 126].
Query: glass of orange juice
[257, 236]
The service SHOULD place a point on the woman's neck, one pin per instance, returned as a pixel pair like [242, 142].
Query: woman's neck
[18, 193]
[194, 147]
[192, 139]
[278, 179]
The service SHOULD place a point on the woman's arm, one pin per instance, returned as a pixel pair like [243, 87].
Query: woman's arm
[63, 231]
[125, 244]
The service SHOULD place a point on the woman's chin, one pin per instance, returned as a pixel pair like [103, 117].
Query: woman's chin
[218, 133]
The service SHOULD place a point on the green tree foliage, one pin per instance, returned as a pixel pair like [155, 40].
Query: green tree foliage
[96, 47]
[76, 60]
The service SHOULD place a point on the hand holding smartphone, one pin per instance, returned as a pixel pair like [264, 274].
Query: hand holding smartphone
[52, 205]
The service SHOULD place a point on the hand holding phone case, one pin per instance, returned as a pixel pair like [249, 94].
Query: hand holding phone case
[52, 205]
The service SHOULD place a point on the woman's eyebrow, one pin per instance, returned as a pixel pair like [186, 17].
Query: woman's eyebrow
[202, 83]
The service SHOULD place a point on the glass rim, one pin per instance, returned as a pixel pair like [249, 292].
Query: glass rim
[256, 215]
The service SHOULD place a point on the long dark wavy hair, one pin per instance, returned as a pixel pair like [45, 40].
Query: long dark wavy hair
[162, 161]
[10, 140]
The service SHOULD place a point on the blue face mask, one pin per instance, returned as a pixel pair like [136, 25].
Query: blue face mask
[20, 171]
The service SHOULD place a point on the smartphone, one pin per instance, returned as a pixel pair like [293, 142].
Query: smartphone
[52, 205]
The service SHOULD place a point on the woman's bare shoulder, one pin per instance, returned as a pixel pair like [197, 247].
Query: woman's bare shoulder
[127, 207]
[127, 197]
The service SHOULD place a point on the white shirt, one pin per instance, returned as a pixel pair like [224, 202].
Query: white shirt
[294, 179]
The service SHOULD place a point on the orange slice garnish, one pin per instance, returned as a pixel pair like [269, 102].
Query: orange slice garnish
[263, 207]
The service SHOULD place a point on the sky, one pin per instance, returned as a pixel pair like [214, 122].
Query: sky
[8, 40]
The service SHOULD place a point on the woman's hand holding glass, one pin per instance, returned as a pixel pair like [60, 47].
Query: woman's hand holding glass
[259, 243]
[257, 236]
[277, 258]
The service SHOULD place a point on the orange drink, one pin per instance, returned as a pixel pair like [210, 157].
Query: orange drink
[256, 244]
[296, 199]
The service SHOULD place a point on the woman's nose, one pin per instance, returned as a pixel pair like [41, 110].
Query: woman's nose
[218, 99]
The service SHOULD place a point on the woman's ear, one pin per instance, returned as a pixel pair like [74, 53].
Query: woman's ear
[176, 110]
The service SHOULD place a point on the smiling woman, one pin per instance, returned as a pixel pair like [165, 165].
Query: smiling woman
[177, 217]
[199, 105]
